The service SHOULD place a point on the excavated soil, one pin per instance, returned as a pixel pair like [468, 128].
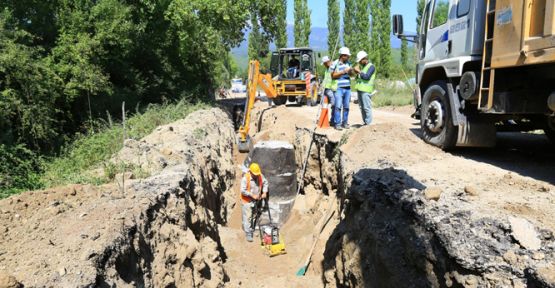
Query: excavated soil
[162, 231]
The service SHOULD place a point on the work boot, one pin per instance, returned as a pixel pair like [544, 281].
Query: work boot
[338, 128]
[249, 237]
[346, 126]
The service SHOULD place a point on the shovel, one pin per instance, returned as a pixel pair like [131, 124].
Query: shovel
[325, 219]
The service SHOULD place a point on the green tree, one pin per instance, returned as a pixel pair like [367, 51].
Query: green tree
[333, 26]
[362, 22]
[375, 33]
[380, 39]
[257, 42]
[303, 23]
[404, 53]
[59, 58]
[349, 24]
[385, 40]
[281, 38]
[419, 11]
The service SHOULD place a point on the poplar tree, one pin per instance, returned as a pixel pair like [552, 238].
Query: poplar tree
[404, 53]
[333, 25]
[385, 49]
[349, 30]
[256, 39]
[281, 37]
[375, 33]
[362, 26]
[307, 24]
[302, 23]
[380, 40]
[419, 10]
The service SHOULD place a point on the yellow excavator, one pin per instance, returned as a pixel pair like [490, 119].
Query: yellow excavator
[292, 77]
[255, 79]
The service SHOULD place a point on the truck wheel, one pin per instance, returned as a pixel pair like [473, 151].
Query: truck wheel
[278, 101]
[436, 119]
[550, 129]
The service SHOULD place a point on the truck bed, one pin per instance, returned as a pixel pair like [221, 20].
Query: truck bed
[524, 33]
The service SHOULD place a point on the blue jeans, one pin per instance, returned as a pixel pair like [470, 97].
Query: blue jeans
[365, 103]
[342, 101]
[331, 100]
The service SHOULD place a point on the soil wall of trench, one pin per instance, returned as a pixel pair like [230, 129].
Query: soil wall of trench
[161, 231]
[390, 235]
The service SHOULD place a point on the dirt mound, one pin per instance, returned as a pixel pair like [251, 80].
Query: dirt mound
[163, 231]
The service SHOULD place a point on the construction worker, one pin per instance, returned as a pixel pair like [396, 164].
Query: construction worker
[366, 74]
[327, 83]
[254, 187]
[341, 83]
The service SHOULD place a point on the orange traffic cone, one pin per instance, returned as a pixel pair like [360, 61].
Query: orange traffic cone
[324, 121]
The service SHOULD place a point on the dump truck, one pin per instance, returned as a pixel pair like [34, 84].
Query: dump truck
[483, 67]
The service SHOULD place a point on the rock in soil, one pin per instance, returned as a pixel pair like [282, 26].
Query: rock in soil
[8, 281]
[524, 232]
[432, 193]
[471, 190]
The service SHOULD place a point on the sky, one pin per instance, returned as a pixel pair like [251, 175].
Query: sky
[319, 15]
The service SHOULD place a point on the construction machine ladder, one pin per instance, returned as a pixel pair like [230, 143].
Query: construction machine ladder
[256, 79]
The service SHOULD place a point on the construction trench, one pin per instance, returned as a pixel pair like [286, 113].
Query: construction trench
[181, 226]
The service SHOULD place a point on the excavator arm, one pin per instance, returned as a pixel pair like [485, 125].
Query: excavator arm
[256, 79]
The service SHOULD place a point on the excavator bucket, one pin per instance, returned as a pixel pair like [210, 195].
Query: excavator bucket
[244, 146]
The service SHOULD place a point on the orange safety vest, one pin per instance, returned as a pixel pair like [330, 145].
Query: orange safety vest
[248, 199]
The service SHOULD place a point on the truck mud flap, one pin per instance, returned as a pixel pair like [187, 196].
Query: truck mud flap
[473, 132]
[476, 133]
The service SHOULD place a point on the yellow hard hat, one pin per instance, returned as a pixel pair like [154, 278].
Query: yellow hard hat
[255, 169]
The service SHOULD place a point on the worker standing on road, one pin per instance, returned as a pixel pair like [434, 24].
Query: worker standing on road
[341, 83]
[327, 83]
[254, 186]
[365, 85]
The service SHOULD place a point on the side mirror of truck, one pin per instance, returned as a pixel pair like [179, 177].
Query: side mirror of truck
[397, 25]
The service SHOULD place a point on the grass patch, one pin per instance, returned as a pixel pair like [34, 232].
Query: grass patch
[89, 153]
[390, 94]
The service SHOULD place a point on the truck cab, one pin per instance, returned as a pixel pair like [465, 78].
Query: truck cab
[475, 75]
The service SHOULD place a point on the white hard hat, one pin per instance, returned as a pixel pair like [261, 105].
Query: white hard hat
[325, 59]
[344, 51]
[361, 55]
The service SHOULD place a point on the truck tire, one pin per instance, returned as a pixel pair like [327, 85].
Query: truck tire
[436, 120]
[278, 101]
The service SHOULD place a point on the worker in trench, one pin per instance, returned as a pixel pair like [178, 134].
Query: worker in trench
[366, 74]
[254, 187]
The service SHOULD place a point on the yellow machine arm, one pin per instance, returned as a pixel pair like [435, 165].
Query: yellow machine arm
[256, 79]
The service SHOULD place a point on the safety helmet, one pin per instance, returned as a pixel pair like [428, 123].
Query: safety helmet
[361, 55]
[344, 51]
[255, 169]
[325, 59]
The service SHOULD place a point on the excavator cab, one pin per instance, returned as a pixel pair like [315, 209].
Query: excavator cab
[294, 73]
